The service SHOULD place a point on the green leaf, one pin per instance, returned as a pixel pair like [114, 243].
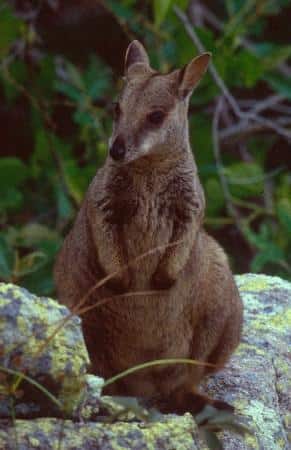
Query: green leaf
[19, 73]
[207, 38]
[269, 251]
[64, 204]
[84, 117]
[69, 90]
[12, 172]
[45, 80]
[233, 6]
[33, 234]
[272, 54]
[200, 128]
[10, 27]
[6, 259]
[97, 79]
[284, 213]
[280, 84]
[12, 175]
[40, 282]
[75, 76]
[245, 179]
[11, 199]
[30, 263]
[122, 10]
[215, 198]
[248, 68]
[161, 8]
[77, 179]
[270, 254]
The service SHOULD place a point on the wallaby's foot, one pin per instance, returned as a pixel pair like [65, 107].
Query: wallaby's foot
[183, 401]
[162, 280]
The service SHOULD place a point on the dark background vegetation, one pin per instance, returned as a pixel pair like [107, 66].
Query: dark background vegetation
[61, 62]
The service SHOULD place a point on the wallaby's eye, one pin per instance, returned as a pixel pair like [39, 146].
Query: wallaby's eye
[156, 117]
[116, 110]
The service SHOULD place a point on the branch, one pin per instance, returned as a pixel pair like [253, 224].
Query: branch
[220, 83]
[245, 116]
[220, 170]
[267, 103]
[244, 128]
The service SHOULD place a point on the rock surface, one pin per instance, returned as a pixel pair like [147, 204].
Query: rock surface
[46, 434]
[256, 381]
[26, 322]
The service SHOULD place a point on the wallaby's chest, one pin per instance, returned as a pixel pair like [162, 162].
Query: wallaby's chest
[149, 229]
[143, 210]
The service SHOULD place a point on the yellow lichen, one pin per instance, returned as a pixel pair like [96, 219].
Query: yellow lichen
[252, 441]
[33, 441]
[254, 285]
[265, 421]
[281, 321]
[243, 348]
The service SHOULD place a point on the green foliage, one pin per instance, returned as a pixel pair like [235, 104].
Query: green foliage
[12, 176]
[280, 84]
[10, 27]
[245, 179]
[161, 8]
[67, 119]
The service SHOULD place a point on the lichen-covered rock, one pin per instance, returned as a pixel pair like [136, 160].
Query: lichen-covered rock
[256, 381]
[26, 322]
[172, 434]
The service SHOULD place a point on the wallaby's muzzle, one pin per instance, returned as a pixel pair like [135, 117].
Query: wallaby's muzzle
[117, 150]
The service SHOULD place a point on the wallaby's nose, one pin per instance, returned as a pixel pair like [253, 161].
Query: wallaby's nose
[117, 149]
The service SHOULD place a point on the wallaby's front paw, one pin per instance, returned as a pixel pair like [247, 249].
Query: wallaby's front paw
[119, 283]
[162, 280]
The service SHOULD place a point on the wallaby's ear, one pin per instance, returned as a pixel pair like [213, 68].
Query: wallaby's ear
[191, 74]
[135, 53]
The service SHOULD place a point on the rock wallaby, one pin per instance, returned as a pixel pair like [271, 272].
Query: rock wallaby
[148, 196]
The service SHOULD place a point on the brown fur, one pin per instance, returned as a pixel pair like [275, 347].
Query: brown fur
[151, 199]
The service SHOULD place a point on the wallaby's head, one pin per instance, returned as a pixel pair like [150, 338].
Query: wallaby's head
[150, 117]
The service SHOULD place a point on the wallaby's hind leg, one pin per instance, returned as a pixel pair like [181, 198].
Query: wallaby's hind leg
[225, 347]
[187, 398]
[217, 323]
[217, 312]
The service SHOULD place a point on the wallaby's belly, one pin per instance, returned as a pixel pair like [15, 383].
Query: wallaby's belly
[142, 329]
[148, 327]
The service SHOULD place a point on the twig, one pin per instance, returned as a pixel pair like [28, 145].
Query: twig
[243, 129]
[284, 109]
[267, 103]
[273, 125]
[195, 11]
[220, 171]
